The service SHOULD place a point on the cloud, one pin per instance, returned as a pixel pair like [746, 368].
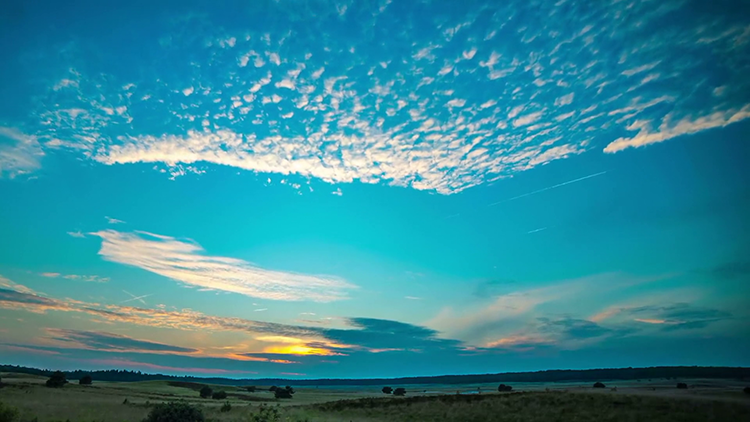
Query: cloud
[111, 220]
[76, 234]
[668, 129]
[670, 317]
[730, 270]
[103, 341]
[19, 153]
[85, 278]
[186, 262]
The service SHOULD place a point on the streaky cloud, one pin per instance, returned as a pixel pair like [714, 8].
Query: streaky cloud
[186, 262]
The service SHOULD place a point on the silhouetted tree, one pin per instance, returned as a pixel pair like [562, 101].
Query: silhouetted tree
[86, 380]
[599, 385]
[57, 380]
[400, 391]
[387, 390]
[175, 412]
[284, 393]
[206, 392]
[219, 395]
[251, 389]
[503, 387]
[681, 385]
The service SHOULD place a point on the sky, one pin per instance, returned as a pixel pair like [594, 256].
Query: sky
[374, 188]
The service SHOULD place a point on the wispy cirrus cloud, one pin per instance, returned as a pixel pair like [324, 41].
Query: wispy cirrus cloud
[19, 153]
[103, 341]
[186, 261]
[441, 112]
[76, 277]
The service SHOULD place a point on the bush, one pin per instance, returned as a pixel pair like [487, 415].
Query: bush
[599, 385]
[503, 387]
[206, 392]
[251, 389]
[7, 413]
[681, 385]
[57, 380]
[284, 393]
[85, 380]
[747, 390]
[273, 388]
[400, 391]
[226, 407]
[219, 395]
[387, 390]
[175, 412]
[266, 414]
[125, 401]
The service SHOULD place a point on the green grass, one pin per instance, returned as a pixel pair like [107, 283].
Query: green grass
[103, 402]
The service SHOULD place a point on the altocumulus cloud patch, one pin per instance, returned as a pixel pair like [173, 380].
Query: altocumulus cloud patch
[398, 93]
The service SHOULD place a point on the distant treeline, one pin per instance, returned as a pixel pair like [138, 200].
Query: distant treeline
[564, 375]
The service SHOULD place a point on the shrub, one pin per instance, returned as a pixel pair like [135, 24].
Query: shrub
[7, 413]
[219, 395]
[681, 385]
[503, 387]
[175, 412]
[251, 389]
[266, 414]
[400, 391]
[86, 380]
[125, 401]
[206, 392]
[747, 390]
[273, 388]
[284, 393]
[57, 380]
[226, 407]
[599, 385]
[387, 390]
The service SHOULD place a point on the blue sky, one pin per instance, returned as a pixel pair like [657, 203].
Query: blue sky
[365, 189]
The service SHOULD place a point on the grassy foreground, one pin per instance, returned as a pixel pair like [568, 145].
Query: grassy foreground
[105, 402]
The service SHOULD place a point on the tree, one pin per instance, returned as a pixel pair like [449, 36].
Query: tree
[273, 388]
[599, 385]
[206, 392]
[219, 395]
[175, 412]
[503, 387]
[251, 389]
[681, 385]
[86, 380]
[746, 390]
[387, 390]
[284, 393]
[56, 380]
[400, 391]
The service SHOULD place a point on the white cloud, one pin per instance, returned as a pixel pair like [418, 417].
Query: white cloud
[186, 262]
[19, 153]
[111, 220]
[76, 234]
[565, 99]
[668, 129]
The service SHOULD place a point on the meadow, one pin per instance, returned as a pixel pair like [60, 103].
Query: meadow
[645, 400]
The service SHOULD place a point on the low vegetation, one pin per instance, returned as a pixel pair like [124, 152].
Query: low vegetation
[7, 413]
[56, 380]
[400, 391]
[86, 380]
[284, 393]
[747, 390]
[502, 388]
[599, 385]
[206, 392]
[533, 407]
[175, 412]
[219, 395]
[387, 390]
[682, 385]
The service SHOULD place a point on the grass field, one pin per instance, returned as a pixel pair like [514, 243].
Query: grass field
[658, 400]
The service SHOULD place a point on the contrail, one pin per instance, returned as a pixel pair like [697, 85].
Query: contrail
[536, 230]
[134, 297]
[548, 188]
